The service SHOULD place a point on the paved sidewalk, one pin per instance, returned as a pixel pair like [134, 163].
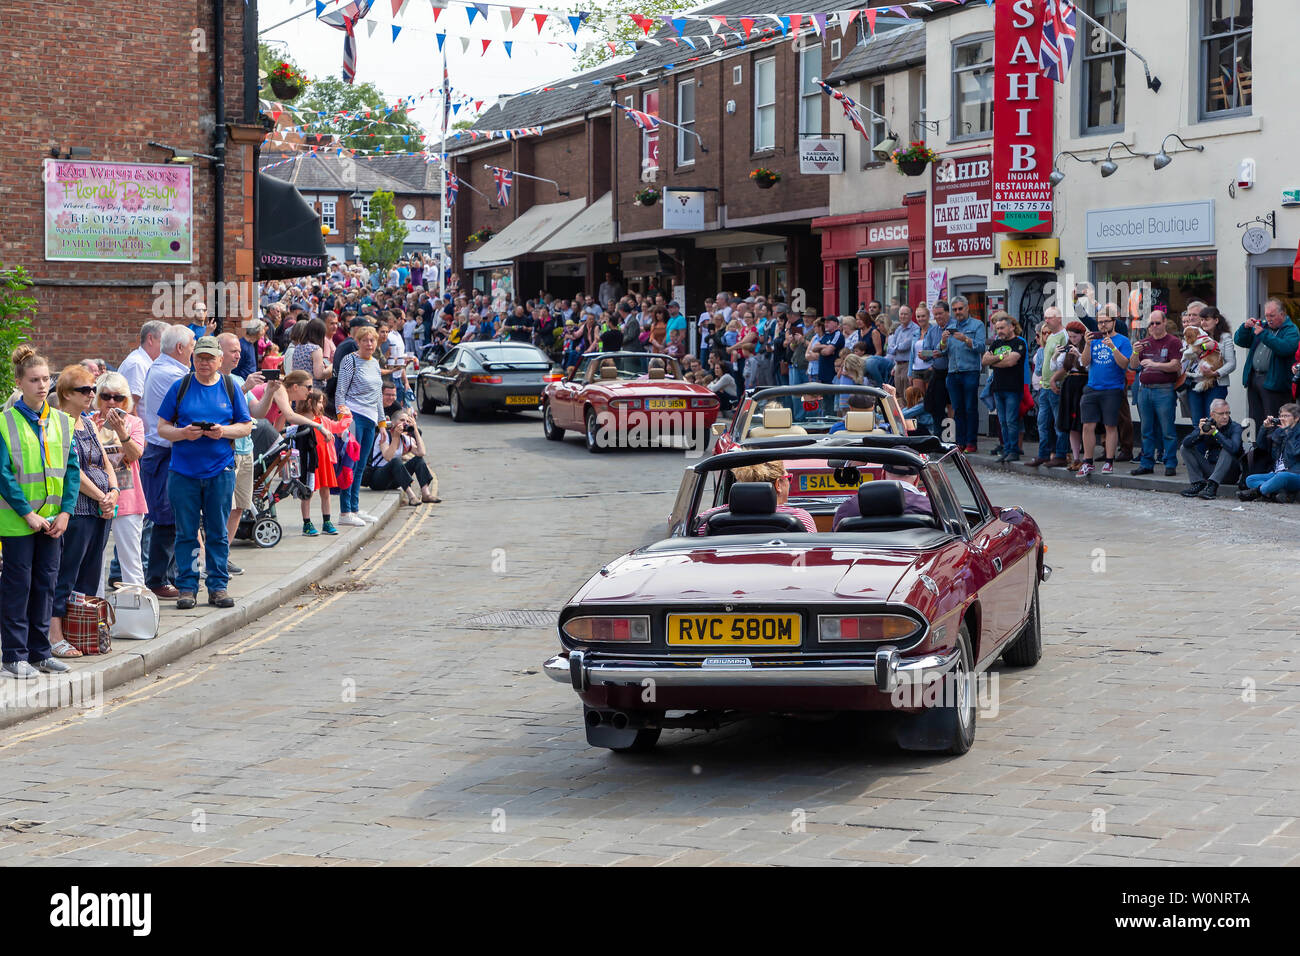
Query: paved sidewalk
[1120, 479]
[272, 576]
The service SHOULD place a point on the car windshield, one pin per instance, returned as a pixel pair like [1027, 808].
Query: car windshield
[629, 367]
[513, 355]
[813, 413]
[825, 492]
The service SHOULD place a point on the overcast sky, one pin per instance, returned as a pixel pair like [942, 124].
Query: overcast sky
[412, 64]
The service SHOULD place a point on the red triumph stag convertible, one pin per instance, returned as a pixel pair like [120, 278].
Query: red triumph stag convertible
[921, 585]
[629, 399]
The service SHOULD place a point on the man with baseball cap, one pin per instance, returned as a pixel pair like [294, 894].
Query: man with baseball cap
[202, 414]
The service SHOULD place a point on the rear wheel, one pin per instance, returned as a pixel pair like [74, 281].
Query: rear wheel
[949, 727]
[267, 533]
[458, 411]
[551, 430]
[1027, 649]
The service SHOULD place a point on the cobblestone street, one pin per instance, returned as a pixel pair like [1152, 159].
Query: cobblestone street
[397, 717]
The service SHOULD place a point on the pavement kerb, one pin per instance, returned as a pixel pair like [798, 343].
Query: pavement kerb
[1120, 479]
[145, 657]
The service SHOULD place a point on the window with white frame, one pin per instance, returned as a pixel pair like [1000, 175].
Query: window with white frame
[810, 94]
[365, 208]
[765, 104]
[972, 88]
[650, 137]
[686, 120]
[920, 102]
[876, 100]
[1103, 67]
[835, 49]
[737, 76]
[327, 217]
[1226, 72]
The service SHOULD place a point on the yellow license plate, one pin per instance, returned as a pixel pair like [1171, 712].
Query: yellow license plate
[657, 403]
[521, 399]
[826, 482]
[734, 630]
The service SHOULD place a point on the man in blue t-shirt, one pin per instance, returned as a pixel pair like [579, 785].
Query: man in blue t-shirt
[1106, 360]
[202, 415]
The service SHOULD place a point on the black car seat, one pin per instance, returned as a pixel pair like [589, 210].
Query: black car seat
[882, 505]
[752, 510]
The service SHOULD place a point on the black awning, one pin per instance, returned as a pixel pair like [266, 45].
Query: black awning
[289, 240]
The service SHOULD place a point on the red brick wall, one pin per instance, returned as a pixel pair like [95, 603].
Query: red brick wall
[729, 139]
[111, 79]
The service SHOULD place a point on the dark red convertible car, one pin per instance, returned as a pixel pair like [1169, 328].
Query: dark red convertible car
[921, 583]
[629, 399]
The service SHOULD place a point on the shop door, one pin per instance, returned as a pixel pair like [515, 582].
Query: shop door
[1276, 282]
[848, 287]
[737, 281]
[1027, 298]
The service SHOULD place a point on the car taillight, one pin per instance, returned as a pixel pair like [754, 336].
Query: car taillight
[552, 377]
[486, 379]
[875, 627]
[625, 403]
[704, 403]
[631, 630]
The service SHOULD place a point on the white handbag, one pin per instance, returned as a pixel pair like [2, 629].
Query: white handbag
[136, 608]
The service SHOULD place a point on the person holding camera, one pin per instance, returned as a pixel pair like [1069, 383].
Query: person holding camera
[1267, 369]
[1212, 452]
[1107, 360]
[1281, 436]
[397, 461]
[201, 479]
[1160, 357]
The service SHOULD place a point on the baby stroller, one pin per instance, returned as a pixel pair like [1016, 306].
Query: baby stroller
[277, 474]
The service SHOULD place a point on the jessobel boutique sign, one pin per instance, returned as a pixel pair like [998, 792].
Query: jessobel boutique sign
[1022, 121]
[118, 212]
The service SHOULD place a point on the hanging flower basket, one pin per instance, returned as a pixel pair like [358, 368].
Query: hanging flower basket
[913, 159]
[765, 178]
[476, 238]
[286, 82]
[646, 197]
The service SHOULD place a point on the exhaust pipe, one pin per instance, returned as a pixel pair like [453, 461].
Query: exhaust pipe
[593, 718]
[619, 720]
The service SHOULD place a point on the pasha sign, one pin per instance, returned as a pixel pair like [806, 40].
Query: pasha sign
[683, 209]
[1022, 121]
[963, 199]
[118, 212]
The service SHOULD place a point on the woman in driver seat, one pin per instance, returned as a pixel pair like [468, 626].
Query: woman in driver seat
[775, 474]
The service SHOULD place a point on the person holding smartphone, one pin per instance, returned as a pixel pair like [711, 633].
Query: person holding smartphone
[1106, 359]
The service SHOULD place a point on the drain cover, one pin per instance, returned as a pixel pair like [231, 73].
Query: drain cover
[515, 617]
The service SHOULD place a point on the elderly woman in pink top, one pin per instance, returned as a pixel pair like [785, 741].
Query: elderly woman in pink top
[122, 435]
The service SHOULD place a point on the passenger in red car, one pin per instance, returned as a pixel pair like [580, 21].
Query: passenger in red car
[916, 501]
[774, 473]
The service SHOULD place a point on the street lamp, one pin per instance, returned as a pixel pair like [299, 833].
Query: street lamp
[357, 201]
[1058, 174]
[1108, 166]
[1163, 159]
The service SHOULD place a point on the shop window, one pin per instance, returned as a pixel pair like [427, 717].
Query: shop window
[1226, 75]
[1103, 67]
[972, 88]
[1167, 283]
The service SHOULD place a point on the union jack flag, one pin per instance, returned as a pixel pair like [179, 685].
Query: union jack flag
[644, 121]
[453, 187]
[850, 109]
[1058, 39]
[504, 179]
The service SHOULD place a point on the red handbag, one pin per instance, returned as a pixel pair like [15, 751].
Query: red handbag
[87, 622]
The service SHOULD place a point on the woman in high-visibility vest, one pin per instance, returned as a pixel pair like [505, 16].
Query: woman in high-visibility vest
[39, 483]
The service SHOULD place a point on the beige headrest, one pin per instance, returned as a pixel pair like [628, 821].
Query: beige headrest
[608, 371]
[859, 421]
[656, 371]
[777, 418]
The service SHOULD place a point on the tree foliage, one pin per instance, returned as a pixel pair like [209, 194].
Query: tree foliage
[614, 25]
[381, 131]
[384, 234]
[16, 312]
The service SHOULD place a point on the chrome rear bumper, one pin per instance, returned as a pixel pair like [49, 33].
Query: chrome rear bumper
[885, 672]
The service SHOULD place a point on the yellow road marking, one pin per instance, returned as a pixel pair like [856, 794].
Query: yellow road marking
[265, 635]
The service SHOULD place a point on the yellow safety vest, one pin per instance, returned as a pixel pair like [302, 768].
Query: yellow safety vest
[41, 479]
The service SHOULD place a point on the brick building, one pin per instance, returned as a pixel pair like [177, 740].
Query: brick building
[143, 74]
[329, 182]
